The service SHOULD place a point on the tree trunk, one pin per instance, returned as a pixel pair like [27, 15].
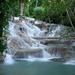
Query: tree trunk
[68, 16]
[21, 2]
[70, 20]
[36, 3]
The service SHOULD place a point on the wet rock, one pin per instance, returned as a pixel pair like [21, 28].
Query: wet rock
[72, 34]
[37, 54]
[73, 44]
[30, 19]
[25, 54]
[16, 18]
[61, 60]
[38, 22]
[15, 43]
[67, 42]
[58, 51]
[20, 55]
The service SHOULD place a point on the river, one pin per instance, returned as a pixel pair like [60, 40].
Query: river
[36, 68]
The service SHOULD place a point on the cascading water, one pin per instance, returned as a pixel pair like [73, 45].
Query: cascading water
[8, 59]
[20, 38]
[55, 31]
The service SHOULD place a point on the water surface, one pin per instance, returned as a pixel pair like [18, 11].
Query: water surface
[36, 68]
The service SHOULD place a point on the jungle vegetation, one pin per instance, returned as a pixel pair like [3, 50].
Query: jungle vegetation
[52, 11]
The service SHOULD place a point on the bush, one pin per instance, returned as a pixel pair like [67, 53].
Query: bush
[38, 12]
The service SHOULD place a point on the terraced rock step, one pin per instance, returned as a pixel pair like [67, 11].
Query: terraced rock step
[46, 37]
[24, 53]
[27, 50]
[55, 40]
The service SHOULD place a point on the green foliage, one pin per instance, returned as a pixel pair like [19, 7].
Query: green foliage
[48, 10]
[3, 16]
[7, 8]
[53, 11]
[38, 12]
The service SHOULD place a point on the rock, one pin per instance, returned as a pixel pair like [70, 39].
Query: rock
[41, 24]
[31, 20]
[20, 55]
[26, 53]
[67, 42]
[38, 22]
[72, 34]
[37, 54]
[16, 43]
[16, 18]
[58, 60]
[73, 44]
[58, 51]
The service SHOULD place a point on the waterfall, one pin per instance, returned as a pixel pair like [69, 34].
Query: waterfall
[46, 54]
[20, 39]
[54, 32]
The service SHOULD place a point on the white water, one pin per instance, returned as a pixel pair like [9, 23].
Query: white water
[8, 59]
[21, 37]
[31, 29]
[70, 62]
[11, 29]
[55, 31]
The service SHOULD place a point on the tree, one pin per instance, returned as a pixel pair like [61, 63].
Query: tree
[2, 21]
[21, 2]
